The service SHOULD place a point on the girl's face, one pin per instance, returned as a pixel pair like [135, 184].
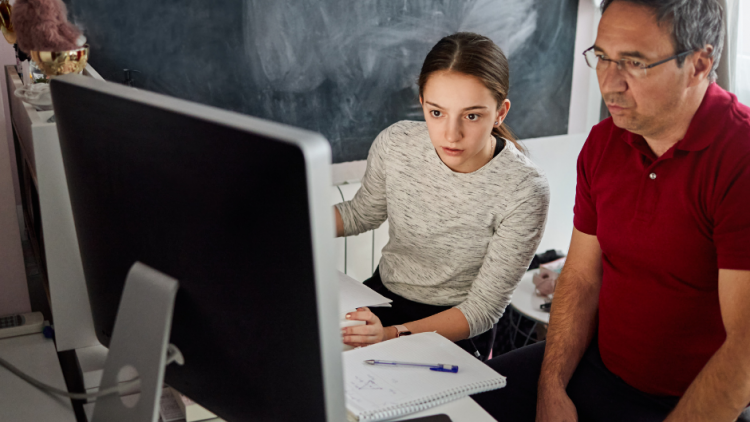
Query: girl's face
[460, 113]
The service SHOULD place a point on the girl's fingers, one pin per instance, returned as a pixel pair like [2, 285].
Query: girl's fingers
[365, 315]
[362, 335]
[362, 330]
[350, 340]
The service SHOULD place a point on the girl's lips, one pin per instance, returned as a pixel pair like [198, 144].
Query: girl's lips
[451, 151]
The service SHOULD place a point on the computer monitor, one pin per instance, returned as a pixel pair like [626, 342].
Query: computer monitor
[237, 210]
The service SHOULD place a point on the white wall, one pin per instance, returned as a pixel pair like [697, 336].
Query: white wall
[14, 292]
[585, 100]
[742, 87]
[557, 157]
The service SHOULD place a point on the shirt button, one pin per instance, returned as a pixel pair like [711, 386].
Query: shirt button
[652, 176]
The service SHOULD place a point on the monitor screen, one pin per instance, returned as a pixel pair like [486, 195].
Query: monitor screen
[236, 209]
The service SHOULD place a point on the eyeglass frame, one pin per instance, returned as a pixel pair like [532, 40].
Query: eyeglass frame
[644, 68]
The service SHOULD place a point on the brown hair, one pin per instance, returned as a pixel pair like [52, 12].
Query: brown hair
[473, 55]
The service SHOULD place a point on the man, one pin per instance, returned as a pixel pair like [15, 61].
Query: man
[651, 317]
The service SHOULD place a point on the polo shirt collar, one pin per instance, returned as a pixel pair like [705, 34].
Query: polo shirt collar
[704, 127]
[708, 120]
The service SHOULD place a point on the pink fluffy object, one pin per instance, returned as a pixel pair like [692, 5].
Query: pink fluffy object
[42, 25]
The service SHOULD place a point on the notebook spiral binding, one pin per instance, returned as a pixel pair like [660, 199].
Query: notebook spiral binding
[431, 401]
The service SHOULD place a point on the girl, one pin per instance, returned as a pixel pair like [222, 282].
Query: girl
[466, 208]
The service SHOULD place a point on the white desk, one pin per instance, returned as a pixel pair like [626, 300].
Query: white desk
[463, 410]
[526, 301]
[525, 305]
[21, 402]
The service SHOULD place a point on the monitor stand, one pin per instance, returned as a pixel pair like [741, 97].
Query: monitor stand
[139, 339]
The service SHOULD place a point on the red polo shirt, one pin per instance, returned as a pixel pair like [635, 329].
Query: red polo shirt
[666, 225]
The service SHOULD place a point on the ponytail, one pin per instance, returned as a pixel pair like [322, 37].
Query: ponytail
[503, 131]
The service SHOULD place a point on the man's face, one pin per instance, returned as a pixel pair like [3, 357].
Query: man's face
[644, 105]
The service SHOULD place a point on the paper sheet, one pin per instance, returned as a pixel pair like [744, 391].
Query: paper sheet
[353, 295]
[169, 409]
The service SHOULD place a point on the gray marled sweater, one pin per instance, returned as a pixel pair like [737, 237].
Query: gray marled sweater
[456, 239]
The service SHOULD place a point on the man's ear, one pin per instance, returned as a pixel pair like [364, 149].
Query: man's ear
[421, 100]
[702, 65]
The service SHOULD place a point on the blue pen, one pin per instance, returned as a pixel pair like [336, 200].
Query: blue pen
[439, 367]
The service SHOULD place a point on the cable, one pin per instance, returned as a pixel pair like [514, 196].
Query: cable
[173, 355]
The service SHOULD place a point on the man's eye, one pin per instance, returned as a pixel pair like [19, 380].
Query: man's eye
[473, 117]
[635, 64]
[435, 113]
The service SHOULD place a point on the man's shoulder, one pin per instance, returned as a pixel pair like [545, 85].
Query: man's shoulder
[732, 139]
[723, 106]
[739, 125]
[726, 120]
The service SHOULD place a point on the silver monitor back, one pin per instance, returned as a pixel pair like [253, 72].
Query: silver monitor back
[236, 208]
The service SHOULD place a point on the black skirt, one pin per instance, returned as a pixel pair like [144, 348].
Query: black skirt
[403, 310]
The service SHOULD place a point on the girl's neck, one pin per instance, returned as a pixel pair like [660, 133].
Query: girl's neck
[478, 161]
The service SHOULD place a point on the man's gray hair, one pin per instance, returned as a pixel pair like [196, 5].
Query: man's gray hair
[694, 23]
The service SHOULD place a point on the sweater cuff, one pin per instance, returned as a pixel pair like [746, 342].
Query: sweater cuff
[476, 324]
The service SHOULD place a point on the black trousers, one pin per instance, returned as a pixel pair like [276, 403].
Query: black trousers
[404, 310]
[598, 394]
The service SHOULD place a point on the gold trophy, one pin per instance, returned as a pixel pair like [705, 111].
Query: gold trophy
[6, 26]
[55, 63]
[51, 63]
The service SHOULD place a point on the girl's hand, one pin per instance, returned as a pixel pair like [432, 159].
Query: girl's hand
[363, 335]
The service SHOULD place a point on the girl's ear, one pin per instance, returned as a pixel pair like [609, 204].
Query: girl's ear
[421, 100]
[502, 111]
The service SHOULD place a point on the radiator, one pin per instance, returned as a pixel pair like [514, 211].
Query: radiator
[358, 256]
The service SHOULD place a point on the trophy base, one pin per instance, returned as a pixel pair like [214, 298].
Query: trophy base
[37, 95]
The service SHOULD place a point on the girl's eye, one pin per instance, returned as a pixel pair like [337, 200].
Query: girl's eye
[435, 113]
[473, 117]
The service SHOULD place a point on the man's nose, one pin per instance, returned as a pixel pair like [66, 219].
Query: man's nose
[612, 80]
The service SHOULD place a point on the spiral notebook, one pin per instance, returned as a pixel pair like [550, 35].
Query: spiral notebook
[378, 392]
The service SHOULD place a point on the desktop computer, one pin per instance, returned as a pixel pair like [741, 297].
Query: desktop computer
[233, 207]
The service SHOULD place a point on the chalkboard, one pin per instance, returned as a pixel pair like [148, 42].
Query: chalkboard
[344, 68]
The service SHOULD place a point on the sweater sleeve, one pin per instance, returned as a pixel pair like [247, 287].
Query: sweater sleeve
[509, 253]
[368, 209]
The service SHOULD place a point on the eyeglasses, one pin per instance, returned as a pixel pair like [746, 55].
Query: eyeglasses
[632, 67]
